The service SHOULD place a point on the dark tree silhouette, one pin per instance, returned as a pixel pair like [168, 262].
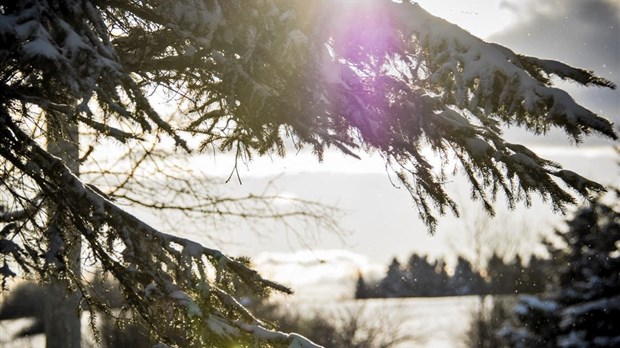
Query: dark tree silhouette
[466, 280]
[394, 284]
[361, 288]
[581, 307]
[420, 277]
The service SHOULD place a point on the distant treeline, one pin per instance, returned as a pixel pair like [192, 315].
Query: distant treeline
[420, 277]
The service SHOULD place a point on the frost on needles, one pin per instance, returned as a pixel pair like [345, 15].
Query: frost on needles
[360, 76]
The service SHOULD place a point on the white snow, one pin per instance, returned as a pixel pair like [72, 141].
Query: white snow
[524, 160]
[526, 302]
[193, 310]
[580, 309]
[454, 118]
[73, 42]
[573, 339]
[193, 249]
[470, 59]
[149, 289]
[478, 147]
[298, 341]
[572, 178]
[41, 47]
[220, 327]
[295, 340]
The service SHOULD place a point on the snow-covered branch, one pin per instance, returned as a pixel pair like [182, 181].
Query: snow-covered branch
[152, 266]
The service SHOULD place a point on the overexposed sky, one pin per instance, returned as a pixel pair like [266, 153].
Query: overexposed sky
[482, 18]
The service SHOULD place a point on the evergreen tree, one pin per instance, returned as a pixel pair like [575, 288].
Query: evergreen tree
[581, 308]
[520, 281]
[394, 284]
[497, 273]
[538, 275]
[420, 276]
[245, 76]
[361, 289]
[515, 277]
[465, 280]
[441, 280]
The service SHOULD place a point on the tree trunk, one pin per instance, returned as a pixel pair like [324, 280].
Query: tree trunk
[62, 320]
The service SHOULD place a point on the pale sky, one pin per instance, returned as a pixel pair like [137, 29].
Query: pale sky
[381, 220]
[482, 18]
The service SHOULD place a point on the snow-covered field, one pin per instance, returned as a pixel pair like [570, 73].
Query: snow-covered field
[437, 322]
[440, 322]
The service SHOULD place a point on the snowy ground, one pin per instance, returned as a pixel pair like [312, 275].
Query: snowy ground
[440, 322]
[435, 322]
